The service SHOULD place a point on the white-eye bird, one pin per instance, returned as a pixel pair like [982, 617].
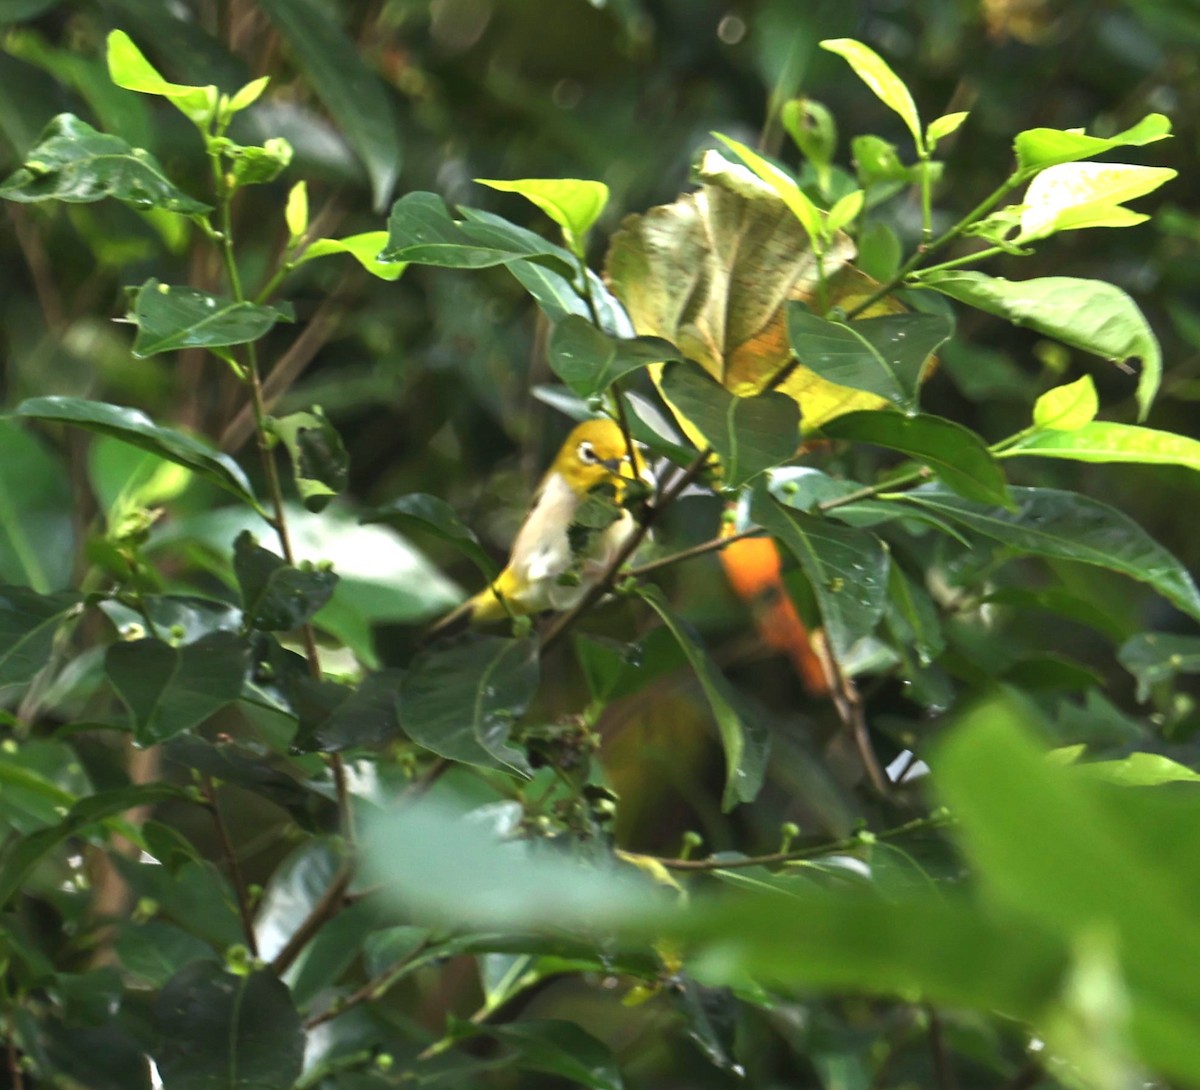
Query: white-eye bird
[550, 568]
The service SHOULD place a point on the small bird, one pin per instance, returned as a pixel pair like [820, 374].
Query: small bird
[562, 547]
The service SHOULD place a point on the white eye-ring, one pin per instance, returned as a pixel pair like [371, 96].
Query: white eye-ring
[587, 453]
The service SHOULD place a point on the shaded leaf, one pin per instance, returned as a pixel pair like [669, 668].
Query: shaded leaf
[461, 701]
[435, 516]
[1158, 656]
[1088, 314]
[745, 741]
[589, 360]
[749, 434]
[957, 455]
[846, 568]
[1068, 526]
[557, 1048]
[156, 951]
[1037, 149]
[171, 317]
[170, 689]
[275, 596]
[28, 624]
[885, 356]
[320, 464]
[559, 297]
[73, 162]
[1102, 441]
[134, 427]
[335, 717]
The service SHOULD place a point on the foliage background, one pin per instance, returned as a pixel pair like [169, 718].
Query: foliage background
[430, 382]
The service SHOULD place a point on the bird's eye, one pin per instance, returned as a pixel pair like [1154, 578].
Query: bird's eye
[587, 453]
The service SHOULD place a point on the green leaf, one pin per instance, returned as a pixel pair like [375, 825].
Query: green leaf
[846, 210]
[277, 597]
[461, 701]
[914, 617]
[171, 317]
[128, 68]
[749, 434]
[1101, 441]
[786, 188]
[171, 689]
[363, 248]
[878, 163]
[1153, 657]
[1068, 526]
[295, 215]
[247, 95]
[334, 716]
[956, 454]
[559, 297]
[589, 360]
[354, 94]
[557, 1048]
[1076, 195]
[1136, 770]
[37, 537]
[874, 71]
[574, 204]
[846, 568]
[1067, 408]
[320, 464]
[813, 129]
[941, 127]
[745, 741]
[217, 1031]
[155, 951]
[28, 624]
[421, 231]
[255, 165]
[1088, 314]
[134, 427]
[437, 517]
[886, 356]
[1037, 149]
[73, 162]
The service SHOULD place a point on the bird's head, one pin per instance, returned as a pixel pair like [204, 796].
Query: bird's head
[595, 453]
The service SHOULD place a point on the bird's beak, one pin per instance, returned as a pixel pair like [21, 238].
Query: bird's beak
[613, 465]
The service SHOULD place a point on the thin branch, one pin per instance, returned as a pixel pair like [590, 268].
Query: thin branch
[16, 1075]
[373, 989]
[713, 545]
[942, 1068]
[330, 904]
[235, 868]
[935, 820]
[849, 707]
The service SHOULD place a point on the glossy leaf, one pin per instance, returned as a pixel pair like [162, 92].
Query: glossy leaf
[216, 1029]
[461, 701]
[749, 434]
[1088, 314]
[128, 68]
[171, 689]
[1102, 441]
[1037, 149]
[589, 360]
[320, 464]
[354, 94]
[364, 248]
[573, 203]
[1067, 408]
[957, 455]
[170, 317]
[28, 624]
[1153, 657]
[874, 71]
[1068, 526]
[73, 162]
[422, 231]
[277, 597]
[846, 568]
[745, 741]
[134, 427]
[335, 717]
[887, 356]
[559, 296]
[1136, 770]
[437, 517]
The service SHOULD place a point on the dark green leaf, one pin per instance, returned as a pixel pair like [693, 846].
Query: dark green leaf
[334, 949]
[171, 689]
[461, 701]
[589, 360]
[135, 428]
[749, 434]
[956, 454]
[887, 356]
[75, 163]
[36, 527]
[275, 596]
[846, 568]
[101, 1056]
[320, 464]
[557, 1048]
[914, 617]
[435, 516]
[218, 1031]
[1068, 526]
[28, 623]
[354, 94]
[1158, 656]
[169, 318]
[559, 297]
[1088, 314]
[745, 741]
[421, 231]
[156, 951]
[334, 717]
[186, 616]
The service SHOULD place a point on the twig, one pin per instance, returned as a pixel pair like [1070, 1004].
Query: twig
[942, 1068]
[235, 868]
[714, 545]
[373, 989]
[16, 1076]
[325, 909]
[934, 821]
[54, 313]
[849, 707]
